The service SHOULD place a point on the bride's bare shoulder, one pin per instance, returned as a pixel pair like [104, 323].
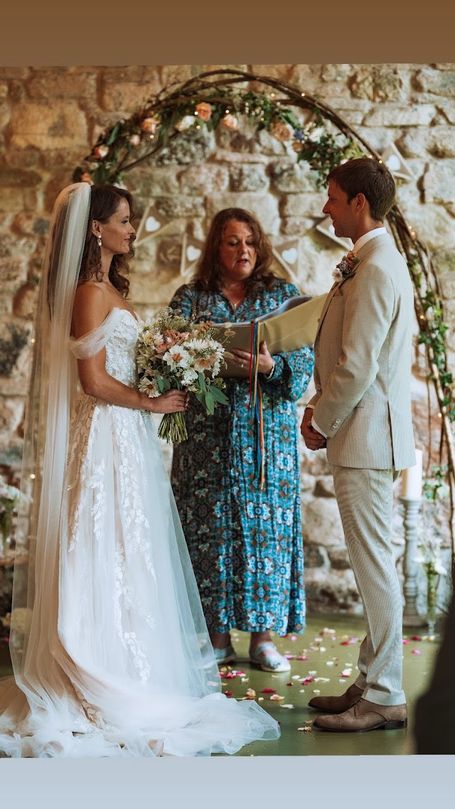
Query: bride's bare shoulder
[91, 306]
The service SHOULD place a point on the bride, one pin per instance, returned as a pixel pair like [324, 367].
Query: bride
[111, 655]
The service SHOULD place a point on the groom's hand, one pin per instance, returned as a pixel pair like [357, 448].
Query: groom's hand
[312, 438]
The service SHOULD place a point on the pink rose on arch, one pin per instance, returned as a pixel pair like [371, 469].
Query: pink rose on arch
[150, 124]
[204, 110]
[100, 151]
[280, 131]
[230, 121]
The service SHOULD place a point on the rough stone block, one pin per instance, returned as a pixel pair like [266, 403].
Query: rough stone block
[297, 225]
[314, 556]
[25, 301]
[291, 177]
[378, 83]
[431, 222]
[192, 148]
[29, 224]
[11, 415]
[18, 178]
[264, 207]
[439, 82]
[147, 181]
[324, 487]
[124, 97]
[397, 115]
[65, 83]
[334, 591]
[13, 272]
[175, 207]
[59, 125]
[439, 181]
[301, 205]
[339, 559]
[248, 177]
[138, 74]
[322, 522]
[438, 141]
[175, 73]
[206, 178]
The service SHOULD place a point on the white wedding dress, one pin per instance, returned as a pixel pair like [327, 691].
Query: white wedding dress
[127, 667]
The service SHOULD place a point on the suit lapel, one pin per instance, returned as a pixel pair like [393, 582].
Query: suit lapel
[363, 254]
[325, 308]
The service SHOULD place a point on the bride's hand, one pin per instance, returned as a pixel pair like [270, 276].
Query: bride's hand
[173, 401]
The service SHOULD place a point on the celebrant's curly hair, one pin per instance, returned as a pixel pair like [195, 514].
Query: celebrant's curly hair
[104, 202]
[209, 271]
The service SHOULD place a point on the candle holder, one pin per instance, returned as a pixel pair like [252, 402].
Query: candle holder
[411, 617]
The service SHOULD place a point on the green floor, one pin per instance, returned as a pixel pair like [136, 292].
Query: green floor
[330, 647]
[330, 644]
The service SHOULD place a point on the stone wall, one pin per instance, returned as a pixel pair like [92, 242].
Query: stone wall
[49, 119]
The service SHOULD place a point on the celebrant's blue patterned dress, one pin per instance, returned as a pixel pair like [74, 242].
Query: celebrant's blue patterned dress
[245, 544]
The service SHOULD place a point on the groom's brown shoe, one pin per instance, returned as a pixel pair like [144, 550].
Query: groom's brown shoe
[337, 704]
[363, 716]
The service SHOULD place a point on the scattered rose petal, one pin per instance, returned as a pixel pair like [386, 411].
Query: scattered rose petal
[289, 683]
[348, 641]
[260, 699]
[329, 663]
[296, 676]
[302, 657]
[316, 691]
[322, 680]
[307, 680]
[415, 637]
[405, 641]
[312, 673]
[268, 691]
[286, 705]
[293, 637]
[327, 631]
[276, 697]
[416, 652]
[306, 729]
[250, 693]
[228, 694]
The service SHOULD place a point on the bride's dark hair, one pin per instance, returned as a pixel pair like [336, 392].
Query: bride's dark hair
[104, 201]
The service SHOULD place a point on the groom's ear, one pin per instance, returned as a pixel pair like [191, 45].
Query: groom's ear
[361, 204]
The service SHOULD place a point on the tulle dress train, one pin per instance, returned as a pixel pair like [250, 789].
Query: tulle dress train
[118, 660]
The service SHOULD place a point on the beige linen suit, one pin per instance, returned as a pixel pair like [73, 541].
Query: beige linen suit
[363, 405]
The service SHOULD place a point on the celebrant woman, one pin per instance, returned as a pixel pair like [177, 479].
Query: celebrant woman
[112, 656]
[245, 541]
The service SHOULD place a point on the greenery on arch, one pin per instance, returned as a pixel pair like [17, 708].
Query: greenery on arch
[231, 99]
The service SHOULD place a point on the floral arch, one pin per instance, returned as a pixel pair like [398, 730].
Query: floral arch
[319, 136]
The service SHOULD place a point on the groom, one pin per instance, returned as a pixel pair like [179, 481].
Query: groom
[362, 413]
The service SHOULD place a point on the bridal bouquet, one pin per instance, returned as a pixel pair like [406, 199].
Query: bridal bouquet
[174, 352]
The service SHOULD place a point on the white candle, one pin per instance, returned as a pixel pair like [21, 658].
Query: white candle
[411, 479]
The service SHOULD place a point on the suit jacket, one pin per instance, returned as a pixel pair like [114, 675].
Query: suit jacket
[363, 357]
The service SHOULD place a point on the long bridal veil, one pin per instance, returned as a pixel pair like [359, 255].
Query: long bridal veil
[80, 687]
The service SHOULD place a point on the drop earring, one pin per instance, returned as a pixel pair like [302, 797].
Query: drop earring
[98, 239]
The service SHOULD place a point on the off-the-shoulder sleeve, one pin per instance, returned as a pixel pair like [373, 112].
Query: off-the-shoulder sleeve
[94, 341]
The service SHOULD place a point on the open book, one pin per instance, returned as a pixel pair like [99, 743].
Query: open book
[290, 326]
